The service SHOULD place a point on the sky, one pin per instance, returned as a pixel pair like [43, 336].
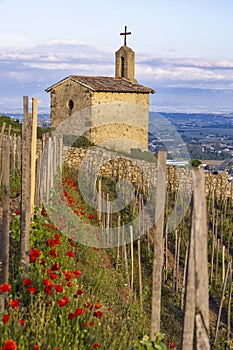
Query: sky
[183, 49]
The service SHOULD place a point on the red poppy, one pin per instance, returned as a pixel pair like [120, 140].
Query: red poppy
[9, 345]
[91, 323]
[5, 287]
[36, 347]
[14, 303]
[5, 318]
[22, 322]
[78, 311]
[96, 345]
[80, 292]
[69, 284]
[172, 345]
[70, 253]
[48, 290]
[87, 305]
[34, 254]
[27, 282]
[62, 302]
[43, 212]
[53, 276]
[31, 290]
[91, 216]
[58, 288]
[68, 275]
[48, 283]
[53, 253]
[71, 316]
[51, 242]
[98, 314]
[55, 267]
[77, 273]
[97, 306]
[32, 258]
[72, 243]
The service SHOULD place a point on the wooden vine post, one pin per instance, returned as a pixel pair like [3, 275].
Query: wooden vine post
[189, 308]
[132, 259]
[33, 152]
[197, 298]
[201, 260]
[140, 275]
[118, 241]
[25, 186]
[4, 235]
[213, 239]
[1, 138]
[229, 303]
[158, 244]
[221, 301]
[99, 211]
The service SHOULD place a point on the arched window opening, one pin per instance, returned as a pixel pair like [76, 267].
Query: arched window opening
[70, 105]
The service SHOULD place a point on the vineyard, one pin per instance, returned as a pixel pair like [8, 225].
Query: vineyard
[75, 273]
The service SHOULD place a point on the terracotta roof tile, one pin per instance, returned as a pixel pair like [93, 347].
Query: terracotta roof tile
[106, 84]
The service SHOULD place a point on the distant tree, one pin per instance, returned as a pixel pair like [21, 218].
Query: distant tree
[195, 163]
[41, 131]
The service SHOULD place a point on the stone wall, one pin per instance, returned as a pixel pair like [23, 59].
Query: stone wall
[61, 106]
[117, 116]
[111, 164]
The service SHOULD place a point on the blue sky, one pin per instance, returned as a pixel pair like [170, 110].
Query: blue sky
[183, 48]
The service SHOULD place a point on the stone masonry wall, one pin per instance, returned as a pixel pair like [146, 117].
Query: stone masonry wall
[144, 173]
[59, 102]
[128, 110]
[104, 115]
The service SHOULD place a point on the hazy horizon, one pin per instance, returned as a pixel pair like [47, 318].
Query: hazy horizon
[182, 49]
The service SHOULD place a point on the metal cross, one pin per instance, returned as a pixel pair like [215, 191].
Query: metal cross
[125, 33]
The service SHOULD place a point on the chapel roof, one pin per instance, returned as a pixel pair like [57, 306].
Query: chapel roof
[105, 84]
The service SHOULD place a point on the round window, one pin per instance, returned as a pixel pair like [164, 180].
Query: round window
[70, 104]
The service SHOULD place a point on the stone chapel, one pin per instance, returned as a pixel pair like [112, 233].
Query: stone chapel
[76, 93]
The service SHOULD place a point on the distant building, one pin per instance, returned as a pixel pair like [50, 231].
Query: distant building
[178, 163]
[76, 93]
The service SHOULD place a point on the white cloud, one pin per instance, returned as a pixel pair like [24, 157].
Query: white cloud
[14, 40]
[193, 72]
[40, 66]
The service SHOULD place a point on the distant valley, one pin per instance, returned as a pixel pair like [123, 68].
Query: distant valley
[206, 136]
